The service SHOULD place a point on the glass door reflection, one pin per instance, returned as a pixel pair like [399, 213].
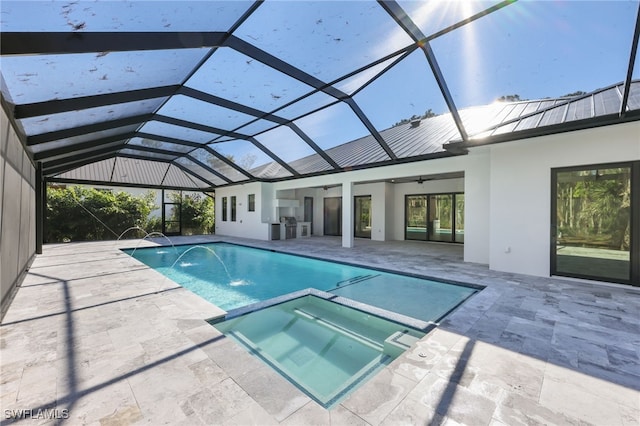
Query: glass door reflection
[416, 217]
[440, 225]
[363, 216]
[592, 223]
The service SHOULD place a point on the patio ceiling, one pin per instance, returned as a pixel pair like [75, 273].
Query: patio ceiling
[201, 94]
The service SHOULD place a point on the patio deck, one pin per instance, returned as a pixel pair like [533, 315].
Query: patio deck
[97, 333]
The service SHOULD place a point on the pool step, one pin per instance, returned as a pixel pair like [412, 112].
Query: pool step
[355, 280]
[340, 329]
[399, 342]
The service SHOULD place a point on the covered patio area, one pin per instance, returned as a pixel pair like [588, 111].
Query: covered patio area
[96, 336]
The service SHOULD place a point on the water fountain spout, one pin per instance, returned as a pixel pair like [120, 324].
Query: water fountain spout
[210, 251]
[150, 234]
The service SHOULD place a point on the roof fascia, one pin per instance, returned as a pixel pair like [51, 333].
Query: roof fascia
[604, 120]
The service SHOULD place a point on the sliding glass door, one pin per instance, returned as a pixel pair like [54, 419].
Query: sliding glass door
[594, 213]
[415, 217]
[440, 224]
[362, 227]
[434, 217]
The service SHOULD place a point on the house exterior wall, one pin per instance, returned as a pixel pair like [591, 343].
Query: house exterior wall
[507, 190]
[390, 214]
[520, 189]
[477, 191]
[387, 198]
[248, 224]
[17, 211]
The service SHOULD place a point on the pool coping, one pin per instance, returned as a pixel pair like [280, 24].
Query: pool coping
[422, 326]
[383, 313]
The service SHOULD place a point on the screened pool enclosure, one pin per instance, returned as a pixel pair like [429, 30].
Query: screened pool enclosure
[200, 94]
[212, 95]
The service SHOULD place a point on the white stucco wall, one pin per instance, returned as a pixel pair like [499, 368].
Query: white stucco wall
[520, 189]
[248, 224]
[390, 214]
[387, 198]
[477, 207]
[507, 190]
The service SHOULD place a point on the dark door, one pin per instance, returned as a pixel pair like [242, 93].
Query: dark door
[594, 222]
[308, 212]
[333, 216]
[171, 212]
[362, 228]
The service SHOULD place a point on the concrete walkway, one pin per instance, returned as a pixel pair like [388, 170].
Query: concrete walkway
[95, 336]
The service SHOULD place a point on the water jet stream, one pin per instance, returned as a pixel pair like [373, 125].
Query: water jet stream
[129, 229]
[151, 234]
[212, 252]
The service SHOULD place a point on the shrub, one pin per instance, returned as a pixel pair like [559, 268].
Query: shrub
[197, 213]
[89, 214]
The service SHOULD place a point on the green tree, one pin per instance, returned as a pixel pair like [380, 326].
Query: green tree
[574, 94]
[510, 98]
[593, 207]
[427, 114]
[197, 212]
[89, 214]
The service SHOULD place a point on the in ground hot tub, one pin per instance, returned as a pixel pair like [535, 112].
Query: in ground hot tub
[326, 349]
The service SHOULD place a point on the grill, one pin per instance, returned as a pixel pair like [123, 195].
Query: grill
[290, 225]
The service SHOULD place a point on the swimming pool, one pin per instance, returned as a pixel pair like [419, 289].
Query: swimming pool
[232, 276]
[325, 348]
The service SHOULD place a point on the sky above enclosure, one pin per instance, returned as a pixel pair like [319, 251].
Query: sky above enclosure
[535, 49]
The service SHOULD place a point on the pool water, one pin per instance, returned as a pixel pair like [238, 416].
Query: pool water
[232, 276]
[324, 348]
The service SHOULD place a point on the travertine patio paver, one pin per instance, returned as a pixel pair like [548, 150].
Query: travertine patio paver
[95, 332]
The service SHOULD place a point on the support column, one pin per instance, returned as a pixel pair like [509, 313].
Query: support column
[347, 214]
[41, 204]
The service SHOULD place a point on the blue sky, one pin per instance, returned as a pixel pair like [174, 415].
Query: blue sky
[535, 49]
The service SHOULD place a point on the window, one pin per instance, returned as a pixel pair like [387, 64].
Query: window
[233, 208]
[593, 222]
[251, 203]
[224, 209]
